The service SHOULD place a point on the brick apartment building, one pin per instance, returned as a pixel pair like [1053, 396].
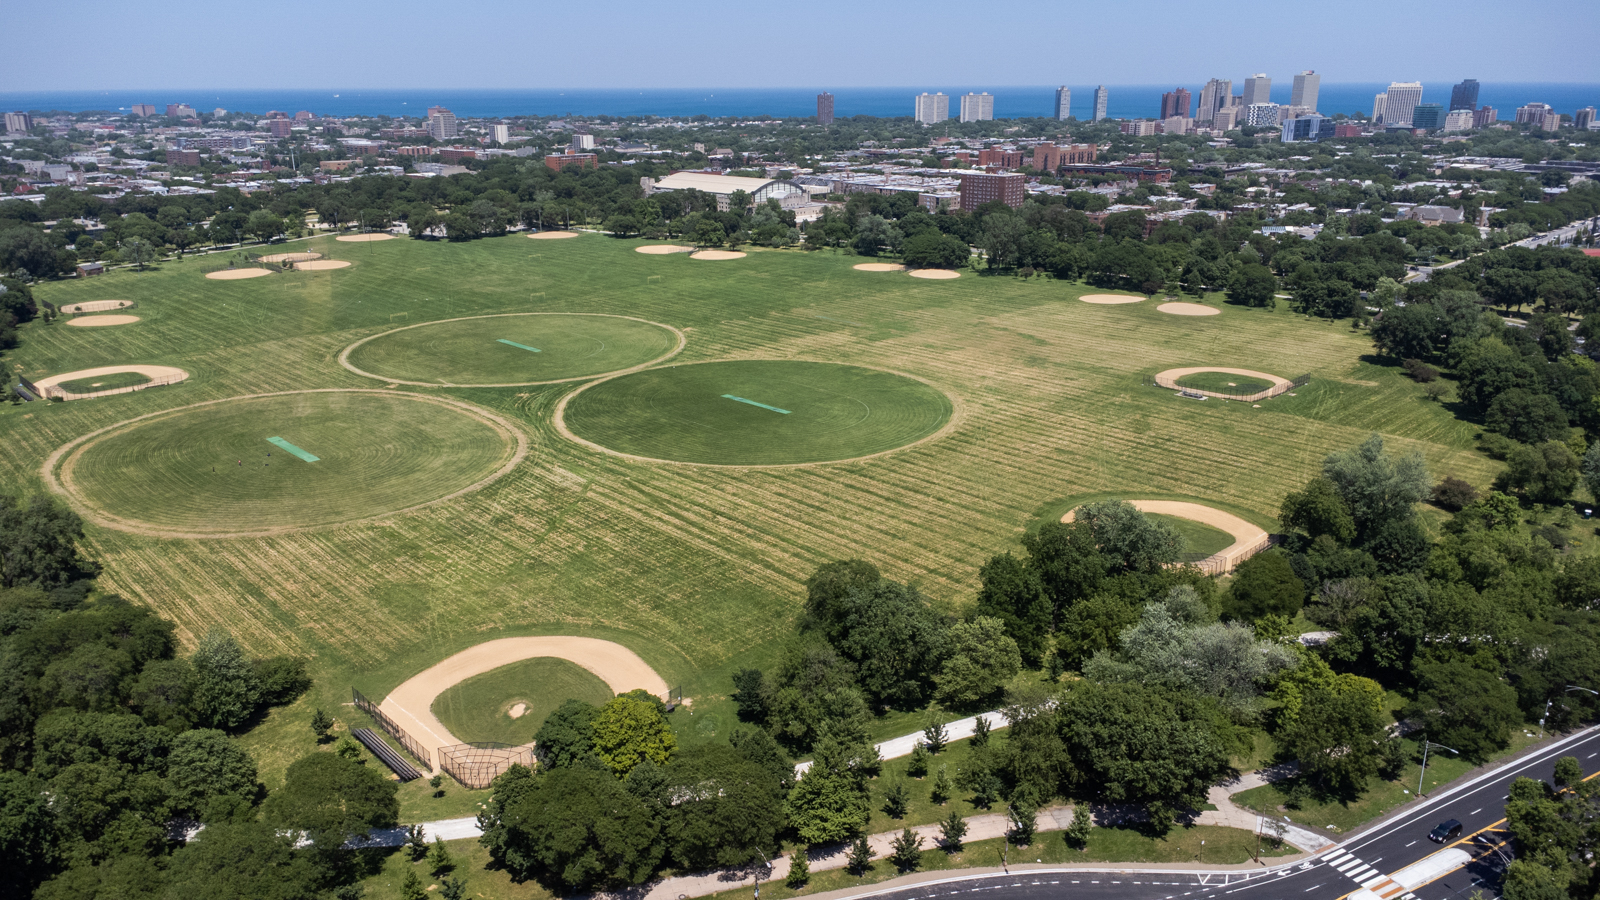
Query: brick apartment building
[456, 154]
[557, 162]
[1049, 157]
[183, 157]
[978, 188]
[1000, 159]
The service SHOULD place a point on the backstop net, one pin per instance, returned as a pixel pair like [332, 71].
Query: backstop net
[477, 764]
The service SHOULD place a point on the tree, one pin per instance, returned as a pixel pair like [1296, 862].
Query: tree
[952, 830]
[1376, 486]
[226, 692]
[628, 730]
[1591, 469]
[917, 763]
[799, 868]
[416, 842]
[750, 691]
[826, 805]
[206, 765]
[333, 800]
[1077, 834]
[575, 829]
[247, 859]
[942, 788]
[935, 250]
[980, 733]
[860, 858]
[437, 783]
[896, 799]
[411, 887]
[263, 225]
[1023, 819]
[896, 640]
[1253, 285]
[1317, 510]
[1265, 584]
[138, 252]
[1469, 709]
[726, 810]
[439, 860]
[934, 736]
[1129, 539]
[27, 833]
[1545, 474]
[566, 736]
[906, 852]
[1013, 592]
[39, 544]
[1141, 744]
[1069, 562]
[1337, 733]
[1453, 494]
[983, 659]
[453, 888]
[1527, 417]
[321, 724]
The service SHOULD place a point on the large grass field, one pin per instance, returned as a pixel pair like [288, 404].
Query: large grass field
[699, 569]
[509, 704]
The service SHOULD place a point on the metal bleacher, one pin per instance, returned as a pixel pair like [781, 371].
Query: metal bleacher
[386, 753]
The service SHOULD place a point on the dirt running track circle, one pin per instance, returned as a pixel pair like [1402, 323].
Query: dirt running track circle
[411, 704]
[935, 274]
[320, 265]
[1246, 535]
[364, 238]
[1110, 299]
[1169, 379]
[164, 374]
[552, 235]
[237, 274]
[662, 249]
[1188, 309]
[717, 254]
[100, 321]
[878, 267]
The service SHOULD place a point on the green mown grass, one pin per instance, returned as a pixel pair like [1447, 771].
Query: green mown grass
[479, 709]
[104, 382]
[699, 570]
[469, 351]
[1222, 383]
[809, 412]
[212, 469]
[1198, 537]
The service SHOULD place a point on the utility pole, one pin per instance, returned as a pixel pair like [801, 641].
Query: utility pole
[1426, 746]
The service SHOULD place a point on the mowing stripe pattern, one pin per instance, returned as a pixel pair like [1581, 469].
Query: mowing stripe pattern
[522, 346]
[290, 448]
[754, 403]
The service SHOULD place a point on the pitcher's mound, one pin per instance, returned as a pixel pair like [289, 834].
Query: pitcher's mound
[237, 274]
[306, 256]
[662, 249]
[878, 267]
[90, 306]
[552, 235]
[1188, 309]
[1110, 299]
[717, 254]
[97, 321]
[936, 274]
[364, 238]
[322, 264]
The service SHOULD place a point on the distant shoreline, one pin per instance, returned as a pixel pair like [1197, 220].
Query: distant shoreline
[1015, 101]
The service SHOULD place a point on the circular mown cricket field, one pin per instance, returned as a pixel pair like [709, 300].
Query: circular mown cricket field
[754, 413]
[512, 350]
[272, 463]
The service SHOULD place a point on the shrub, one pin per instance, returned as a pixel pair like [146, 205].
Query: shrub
[1420, 371]
[1453, 494]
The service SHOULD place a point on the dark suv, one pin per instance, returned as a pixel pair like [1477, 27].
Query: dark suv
[1449, 829]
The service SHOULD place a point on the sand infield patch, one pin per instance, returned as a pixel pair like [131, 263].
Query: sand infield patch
[238, 274]
[411, 704]
[878, 267]
[364, 238]
[935, 274]
[552, 235]
[1110, 299]
[305, 256]
[101, 321]
[90, 306]
[717, 254]
[1188, 309]
[322, 265]
[1247, 536]
[1169, 379]
[662, 249]
[156, 374]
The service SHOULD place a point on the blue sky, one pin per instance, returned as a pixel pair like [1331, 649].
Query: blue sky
[626, 43]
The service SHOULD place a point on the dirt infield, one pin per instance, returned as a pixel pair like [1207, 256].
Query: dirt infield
[1188, 309]
[101, 321]
[935, 274]
[321, 265]
[365, 238]
[411, 704]
[1247, 537]
[237, 274]
[662, 249]
[1169, 379]
[552, 235]
[305, 256]
[90, 306]
[156, 374]
[717, 254]
[878, 267]
[1110, 299]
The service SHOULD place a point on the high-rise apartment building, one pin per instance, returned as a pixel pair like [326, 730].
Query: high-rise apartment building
[18, 122]
[280, 128]
[143, 109]
[978, 188]
[1101, 97]
[932, 108]
[824, 109]
[1226, 118]
[1261, 115]
[1404, 97]
[1428, 115]
[1175, 103]
[500, 134]
[977, 107]
[441, 123]
[1485, 116]
[1584, 119]
[1063, 103]
[1458, 120]
[1464, 95]
[1380, 106]
[181, 111]
[1048, 157]
[1257, 89]
[1214, 96]
[581, 141]
[1539, 115]
[1310, 127]
[1306, 86]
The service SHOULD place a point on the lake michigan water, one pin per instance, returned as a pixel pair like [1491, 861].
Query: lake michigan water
[1126, 101]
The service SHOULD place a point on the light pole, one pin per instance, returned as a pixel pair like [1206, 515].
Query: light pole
[1426, 746]
[765, 864]
[1567, 690]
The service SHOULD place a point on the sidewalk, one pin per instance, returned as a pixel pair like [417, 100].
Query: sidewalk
[958, 730]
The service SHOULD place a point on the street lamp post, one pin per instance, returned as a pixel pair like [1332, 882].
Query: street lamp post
[1426, 746]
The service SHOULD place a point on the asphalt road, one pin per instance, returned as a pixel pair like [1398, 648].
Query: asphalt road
[1391, 861]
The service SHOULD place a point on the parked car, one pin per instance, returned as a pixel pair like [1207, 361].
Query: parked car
[1448, 830]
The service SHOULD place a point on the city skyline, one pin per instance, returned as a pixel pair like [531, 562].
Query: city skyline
[108, 52]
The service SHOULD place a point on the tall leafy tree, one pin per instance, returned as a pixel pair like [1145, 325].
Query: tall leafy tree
[577, 829]
[628, 730]
[1013, 592]
[226, 691]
